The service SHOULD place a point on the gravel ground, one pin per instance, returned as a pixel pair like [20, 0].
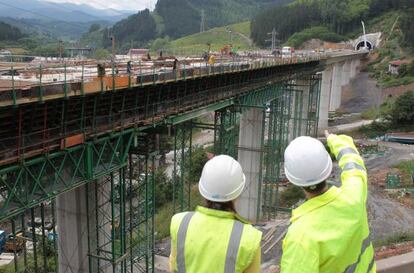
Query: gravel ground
[361, 94]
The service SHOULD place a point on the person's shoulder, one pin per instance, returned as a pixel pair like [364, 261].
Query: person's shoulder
[176, 221]
[179, 216]
[252, 232]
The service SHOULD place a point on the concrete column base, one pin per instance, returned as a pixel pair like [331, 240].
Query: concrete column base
[250, 150]
[324, 99]
[72, 231]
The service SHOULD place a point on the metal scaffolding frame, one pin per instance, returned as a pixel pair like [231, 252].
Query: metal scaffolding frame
[226, 124]
[183, 138]
[33, 240]
[121, 210]
[117, 169]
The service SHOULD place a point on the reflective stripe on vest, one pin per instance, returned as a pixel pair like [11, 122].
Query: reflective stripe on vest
[352, 165]
[365, 244]
[232, 249]
[371, 264]
[345, 151]
[182, 234]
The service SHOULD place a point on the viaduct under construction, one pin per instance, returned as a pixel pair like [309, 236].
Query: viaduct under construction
[79, 157]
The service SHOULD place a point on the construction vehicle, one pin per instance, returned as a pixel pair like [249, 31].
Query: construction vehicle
[287, 52]
[14, 245]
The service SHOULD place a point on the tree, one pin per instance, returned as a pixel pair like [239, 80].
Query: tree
[163, 188]
[160, 44]
[197, 161]
[9, 33]
[101, 54]
[403, 109]
[139, 27]
[407, 27]
[94, 27]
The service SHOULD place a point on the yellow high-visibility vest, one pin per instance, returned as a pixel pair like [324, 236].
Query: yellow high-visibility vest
[330, 233]
[209, 240]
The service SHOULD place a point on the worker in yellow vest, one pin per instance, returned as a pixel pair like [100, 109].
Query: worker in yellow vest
[214, 238]
[329, 233]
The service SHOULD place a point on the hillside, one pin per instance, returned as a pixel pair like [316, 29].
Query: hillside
[9, 33]
[217, 13]
[67, 12]
[52, 28]
[341, 17]
[236, 34]
[173, 19]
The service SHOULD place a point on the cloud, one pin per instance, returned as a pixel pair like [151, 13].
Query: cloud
[129, 5]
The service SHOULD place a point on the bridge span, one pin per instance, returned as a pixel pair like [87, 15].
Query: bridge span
[78, 157]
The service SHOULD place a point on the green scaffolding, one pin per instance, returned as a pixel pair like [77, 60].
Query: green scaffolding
[28, 240]
[226, 131]
[121, 210]
[183, 137]
[117, 170]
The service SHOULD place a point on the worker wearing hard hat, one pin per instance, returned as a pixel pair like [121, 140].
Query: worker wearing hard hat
[329, 233]
[214, 238]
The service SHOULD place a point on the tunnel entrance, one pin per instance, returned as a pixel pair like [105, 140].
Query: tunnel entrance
[361, 45]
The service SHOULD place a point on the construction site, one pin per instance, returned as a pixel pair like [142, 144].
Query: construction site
[82, 143]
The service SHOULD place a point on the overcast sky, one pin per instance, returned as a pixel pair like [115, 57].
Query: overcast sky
[118, 4]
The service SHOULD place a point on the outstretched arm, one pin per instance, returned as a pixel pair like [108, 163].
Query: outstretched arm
[354, 174]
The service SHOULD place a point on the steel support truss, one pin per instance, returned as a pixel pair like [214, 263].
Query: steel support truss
[121, 218]
[117, 170]
[33, 181]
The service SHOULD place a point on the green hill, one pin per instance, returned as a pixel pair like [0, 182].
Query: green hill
[183, 17]
[236, 34]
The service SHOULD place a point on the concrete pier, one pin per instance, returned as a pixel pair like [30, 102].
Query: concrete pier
[325, 98]
[72, 221]
[250, 150]
[72, 231]
[336, 93]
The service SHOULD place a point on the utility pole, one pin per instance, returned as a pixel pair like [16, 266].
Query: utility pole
[203, 21]
[274, 39]
[60, 49]
[113, 47]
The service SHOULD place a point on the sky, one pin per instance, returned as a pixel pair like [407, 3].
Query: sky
[111, 4]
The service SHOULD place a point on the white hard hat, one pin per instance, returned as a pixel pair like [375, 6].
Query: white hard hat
[222, 179]
[307, 162]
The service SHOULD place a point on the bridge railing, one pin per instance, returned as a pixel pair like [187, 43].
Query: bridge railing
[26, 83]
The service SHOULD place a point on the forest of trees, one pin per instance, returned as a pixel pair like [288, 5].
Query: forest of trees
[407, 27]
[9, 33]
[183, 17]
[339, 16]
[137, 27]
[180, 18]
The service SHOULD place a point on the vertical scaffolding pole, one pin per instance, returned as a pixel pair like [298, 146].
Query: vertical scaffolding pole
[226, 131]
[182, 166]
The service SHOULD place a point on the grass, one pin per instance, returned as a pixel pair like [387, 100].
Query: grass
[322, 33]
[394, 239]
[370, 113]
[407, 169]
[30, 265]
[391, 81]
[164, 214]
[390, 50]
[217, 37]
[378, 128]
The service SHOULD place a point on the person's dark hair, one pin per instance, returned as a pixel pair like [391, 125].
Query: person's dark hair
[316, 189]
[224, 206]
